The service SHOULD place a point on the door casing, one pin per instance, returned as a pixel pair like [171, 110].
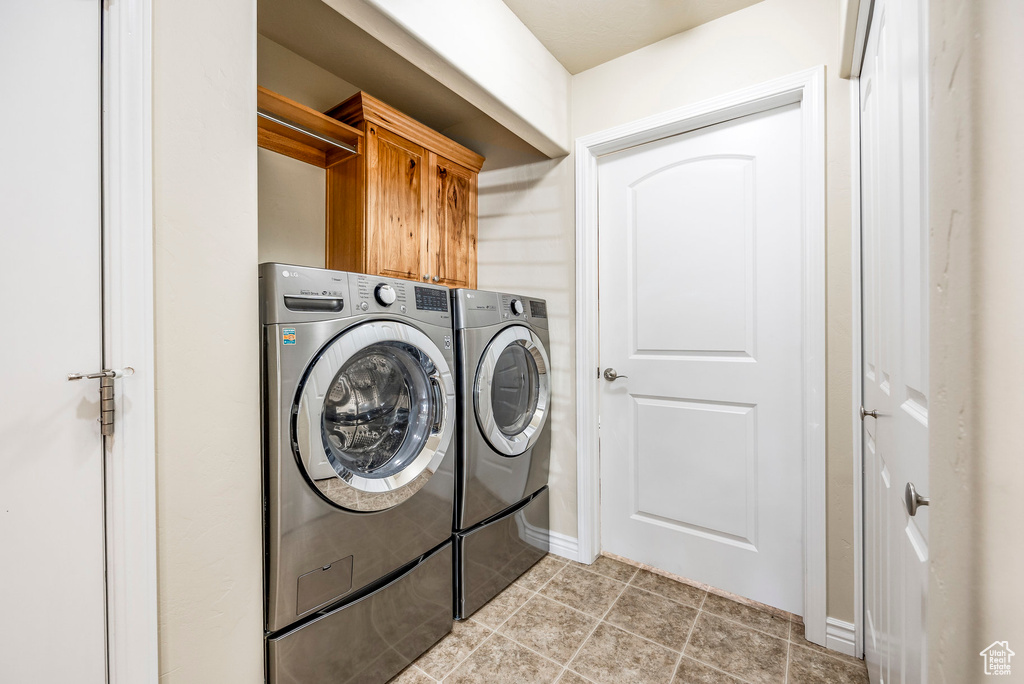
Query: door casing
[132, 639]
[808, 88]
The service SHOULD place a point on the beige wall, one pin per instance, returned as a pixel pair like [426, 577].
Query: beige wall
[526, 246]
[770, 39]
[293, 194]
[209, 537]
[976, 163]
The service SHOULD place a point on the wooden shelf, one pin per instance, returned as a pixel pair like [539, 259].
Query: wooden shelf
[308, 135]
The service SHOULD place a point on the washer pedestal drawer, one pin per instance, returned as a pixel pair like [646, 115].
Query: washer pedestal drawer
[373, 638]
[493, 555]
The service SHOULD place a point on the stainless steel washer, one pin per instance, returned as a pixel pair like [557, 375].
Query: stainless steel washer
[501, 516]
[359, 472]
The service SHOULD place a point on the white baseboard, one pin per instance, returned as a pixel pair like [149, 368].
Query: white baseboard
[839, 636]
[565, 546]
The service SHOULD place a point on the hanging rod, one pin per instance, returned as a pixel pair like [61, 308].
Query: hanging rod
[264, 114]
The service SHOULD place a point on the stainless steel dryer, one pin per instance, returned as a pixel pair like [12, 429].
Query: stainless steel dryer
[359, 472]
[501, 516]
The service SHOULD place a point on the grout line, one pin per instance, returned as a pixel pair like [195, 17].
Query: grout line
[834, 655]
[598, 623]
[692, 628]
[711, 589]
[688, 605]
[744, 624]
[494, 630]
[785, 674]
[731, 677]
[686, 643]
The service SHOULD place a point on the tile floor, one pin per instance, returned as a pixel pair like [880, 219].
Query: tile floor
[613, 623]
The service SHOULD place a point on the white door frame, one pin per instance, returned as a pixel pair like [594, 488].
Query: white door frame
[856, 46]
[808, 88]
[130, 477]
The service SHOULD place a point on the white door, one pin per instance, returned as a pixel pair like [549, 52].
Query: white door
[701, 264]
[51, 460]
[895, 340]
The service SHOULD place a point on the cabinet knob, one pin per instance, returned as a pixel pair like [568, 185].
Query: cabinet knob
[435, 279]
[426, 276]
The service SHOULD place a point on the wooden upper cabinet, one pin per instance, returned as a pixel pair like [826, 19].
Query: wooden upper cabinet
[451, 240]
[407, 207]
[397, 200]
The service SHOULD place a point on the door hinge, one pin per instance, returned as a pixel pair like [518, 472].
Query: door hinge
[106, 378]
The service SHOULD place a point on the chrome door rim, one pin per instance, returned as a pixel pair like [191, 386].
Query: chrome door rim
[511, 445]
[350, 489]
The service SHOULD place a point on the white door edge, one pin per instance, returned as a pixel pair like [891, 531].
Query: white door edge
[132, 639]
[858, 389]
[808, 88]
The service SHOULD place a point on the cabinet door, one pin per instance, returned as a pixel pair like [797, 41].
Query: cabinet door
[453, 229]
[396, 211]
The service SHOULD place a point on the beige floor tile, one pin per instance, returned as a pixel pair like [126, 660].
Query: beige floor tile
[741, 651]
[691, 671]
[653, 617]
[609, 567]
[501, 661]
[611, 656]
[551, 629]
[543, 570]
[586, 591]
[502, 606]
[412, 675]
[807, 666]
[796, 636]
[747, 615]
[570, 677]
[453, 649]
[677, 591]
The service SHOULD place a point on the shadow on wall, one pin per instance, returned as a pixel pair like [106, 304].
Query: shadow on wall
[526, 246]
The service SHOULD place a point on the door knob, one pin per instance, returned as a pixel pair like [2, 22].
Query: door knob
[611, 376]
[914, 500]
[864, 413]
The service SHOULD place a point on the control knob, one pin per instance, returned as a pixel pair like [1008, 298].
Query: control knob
[385, 294]
[517, 307]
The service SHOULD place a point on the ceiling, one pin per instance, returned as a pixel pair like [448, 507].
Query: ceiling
[584, 33]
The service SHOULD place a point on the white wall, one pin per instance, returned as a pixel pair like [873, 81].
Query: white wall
[482, 52]
[209, 539]
[767, 40]
[976, 164]
[293, 194]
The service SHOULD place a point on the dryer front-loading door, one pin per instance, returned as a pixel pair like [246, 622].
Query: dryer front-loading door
[512, 390]
[375, 415]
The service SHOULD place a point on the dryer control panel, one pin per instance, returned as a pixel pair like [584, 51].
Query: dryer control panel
[480, 308]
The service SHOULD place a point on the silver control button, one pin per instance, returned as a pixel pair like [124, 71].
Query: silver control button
[364, 306]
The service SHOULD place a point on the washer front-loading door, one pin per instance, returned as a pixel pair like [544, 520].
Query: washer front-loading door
[377, 405]
[512, 390]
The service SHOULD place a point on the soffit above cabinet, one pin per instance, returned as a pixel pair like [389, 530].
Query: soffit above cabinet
[320, 35]
[584, 33]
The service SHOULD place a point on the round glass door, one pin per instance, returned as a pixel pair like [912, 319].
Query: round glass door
[511, 393]
[374, 416]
